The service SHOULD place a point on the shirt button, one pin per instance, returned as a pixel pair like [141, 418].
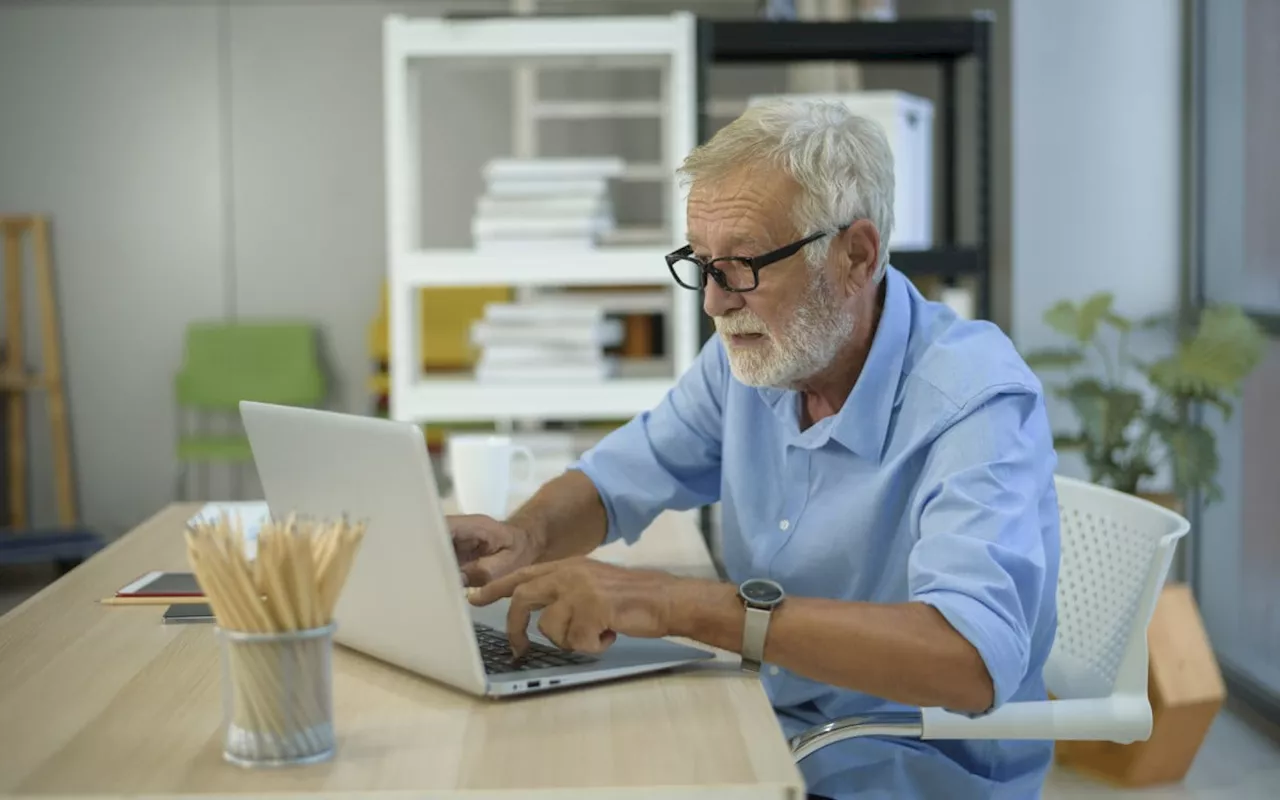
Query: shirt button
[784, 525]
[773, 670]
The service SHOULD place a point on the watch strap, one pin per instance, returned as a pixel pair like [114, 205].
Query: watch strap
[755, 628]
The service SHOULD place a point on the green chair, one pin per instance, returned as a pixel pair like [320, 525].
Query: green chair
[224, 363]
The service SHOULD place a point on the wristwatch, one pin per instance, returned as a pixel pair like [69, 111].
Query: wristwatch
[760, 597]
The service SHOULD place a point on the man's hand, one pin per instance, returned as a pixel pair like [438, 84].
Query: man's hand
[488, 549]
[585, 604]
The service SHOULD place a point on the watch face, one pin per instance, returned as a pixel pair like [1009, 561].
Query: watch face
[761, 591]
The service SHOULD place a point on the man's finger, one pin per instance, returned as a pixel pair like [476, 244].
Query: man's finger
[466, 553]
[499, 584]
[483, 571]
[467, 547]
[466, 530]
[555, 621]
[527, 598]
[473, 576]
[588, 633]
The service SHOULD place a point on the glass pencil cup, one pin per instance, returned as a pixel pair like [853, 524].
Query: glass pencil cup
[277, 697]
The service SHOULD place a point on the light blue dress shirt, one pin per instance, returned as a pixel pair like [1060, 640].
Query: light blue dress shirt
[933, 483]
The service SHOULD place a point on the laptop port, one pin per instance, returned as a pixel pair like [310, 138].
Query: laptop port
[553, 682]
[534, 684]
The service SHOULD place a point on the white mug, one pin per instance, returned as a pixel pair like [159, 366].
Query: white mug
[481, 468]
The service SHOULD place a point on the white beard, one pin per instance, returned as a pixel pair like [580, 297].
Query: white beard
[808, 344]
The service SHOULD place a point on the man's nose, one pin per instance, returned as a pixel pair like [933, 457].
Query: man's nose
[717, 302]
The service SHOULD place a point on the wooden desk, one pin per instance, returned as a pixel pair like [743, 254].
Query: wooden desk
[101, 701]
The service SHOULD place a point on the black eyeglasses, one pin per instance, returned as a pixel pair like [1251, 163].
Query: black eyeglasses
[741, 273]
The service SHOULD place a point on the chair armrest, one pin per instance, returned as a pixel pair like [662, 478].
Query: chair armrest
[1118, 718]
[906, 724]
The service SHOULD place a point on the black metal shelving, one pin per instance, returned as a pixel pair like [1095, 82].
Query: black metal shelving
[943, 41]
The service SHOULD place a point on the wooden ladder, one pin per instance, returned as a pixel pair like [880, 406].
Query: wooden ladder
[17, 382]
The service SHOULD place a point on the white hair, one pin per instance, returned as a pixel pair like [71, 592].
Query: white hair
[842, 163]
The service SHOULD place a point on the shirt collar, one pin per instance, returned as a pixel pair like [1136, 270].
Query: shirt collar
[862, 424]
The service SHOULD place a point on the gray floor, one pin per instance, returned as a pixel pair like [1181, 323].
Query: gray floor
[19, 583]
[1240, 759]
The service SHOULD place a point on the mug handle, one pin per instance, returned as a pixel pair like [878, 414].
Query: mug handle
[518, 453]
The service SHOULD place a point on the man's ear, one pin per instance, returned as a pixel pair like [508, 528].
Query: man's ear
[860, 243]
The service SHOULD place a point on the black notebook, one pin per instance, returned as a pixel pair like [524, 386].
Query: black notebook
[188, 612]
[163, 584]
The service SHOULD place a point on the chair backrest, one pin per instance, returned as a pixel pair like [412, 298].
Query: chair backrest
[1116, 552]
[271, 362]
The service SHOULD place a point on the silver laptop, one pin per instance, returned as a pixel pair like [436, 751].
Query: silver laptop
[404, 601]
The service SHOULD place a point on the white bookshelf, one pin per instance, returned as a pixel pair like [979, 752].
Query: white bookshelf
[665, 42]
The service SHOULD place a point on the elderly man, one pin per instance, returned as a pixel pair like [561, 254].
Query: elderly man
[885, 471]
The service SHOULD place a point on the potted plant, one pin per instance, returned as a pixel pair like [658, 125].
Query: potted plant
[1126, 433]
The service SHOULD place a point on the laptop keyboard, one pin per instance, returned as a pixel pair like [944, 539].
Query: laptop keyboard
[495, 652]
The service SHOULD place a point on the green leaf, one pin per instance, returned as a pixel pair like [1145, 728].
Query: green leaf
[1094, 310]
[1131, 473]
[1193, 455]
[1080, 322]
[1123, 477]
[1061, 316]
[1050, 358]
[1064, 441]
[1105, 413]
[1118, 322]
[1219, 401]
[1225, 347]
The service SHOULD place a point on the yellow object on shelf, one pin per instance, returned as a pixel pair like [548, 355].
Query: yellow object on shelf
[445, 340]
[445, 337]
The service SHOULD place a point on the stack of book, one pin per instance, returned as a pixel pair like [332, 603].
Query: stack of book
[562, 203]
[545, 343]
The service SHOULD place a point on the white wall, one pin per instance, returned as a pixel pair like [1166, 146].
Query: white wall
[201, 160]
[110, 126]
[1096, 128]
[215, 159]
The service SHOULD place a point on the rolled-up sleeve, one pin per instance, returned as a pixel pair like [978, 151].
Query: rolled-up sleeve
[983, 544]
[667, 457]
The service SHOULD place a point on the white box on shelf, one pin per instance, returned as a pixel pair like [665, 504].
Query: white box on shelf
[553, 169]
[534, 229]
[652, 301]
[531, 188]
[579, 246]
[535, 355]
[545, 310]
[538, 206]
[907, 120]
[601, 333]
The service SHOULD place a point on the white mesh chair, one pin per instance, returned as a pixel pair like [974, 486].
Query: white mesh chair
[1116, 551]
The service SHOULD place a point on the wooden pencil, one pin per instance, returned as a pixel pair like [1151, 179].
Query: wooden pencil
[152, 600]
